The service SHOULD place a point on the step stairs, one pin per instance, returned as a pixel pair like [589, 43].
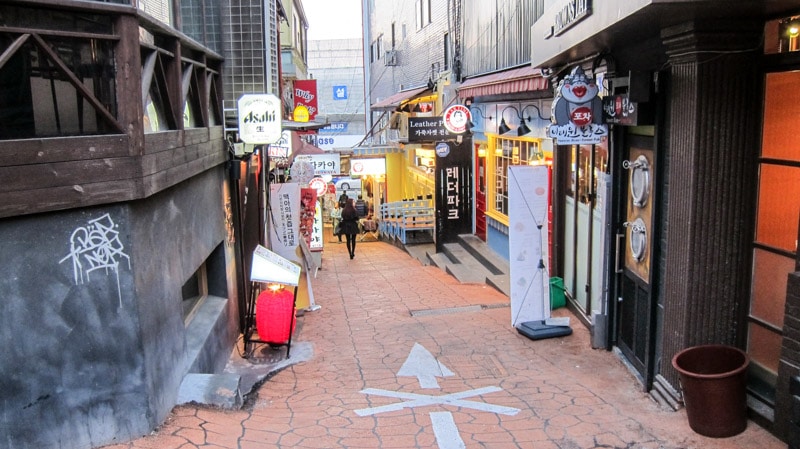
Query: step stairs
[469, 260]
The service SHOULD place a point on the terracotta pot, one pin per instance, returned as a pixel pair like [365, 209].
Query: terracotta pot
[713, 379]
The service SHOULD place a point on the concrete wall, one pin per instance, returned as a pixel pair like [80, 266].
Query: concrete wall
[94, 343]
[418, 49]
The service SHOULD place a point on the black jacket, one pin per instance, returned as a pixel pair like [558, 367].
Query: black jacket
[349, 223]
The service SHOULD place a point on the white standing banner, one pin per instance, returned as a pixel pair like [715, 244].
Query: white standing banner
[285, 235]
[528, 194]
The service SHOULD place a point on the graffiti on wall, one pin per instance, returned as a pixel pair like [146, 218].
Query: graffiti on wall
[96, 246]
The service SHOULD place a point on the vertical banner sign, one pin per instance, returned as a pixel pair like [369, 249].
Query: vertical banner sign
[528, 203]
[453, 192]
[285, 219]
[316, 235]
[308, 215]
[305, 97]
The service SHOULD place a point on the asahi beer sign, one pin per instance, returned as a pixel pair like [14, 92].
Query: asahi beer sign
[259, 118]
[577, 111]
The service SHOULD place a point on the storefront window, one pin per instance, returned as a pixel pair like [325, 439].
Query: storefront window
[782, 35]
[775, 240]
[509, 152]
[585, 165]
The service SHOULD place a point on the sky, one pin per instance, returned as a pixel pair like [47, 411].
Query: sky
[333, 19]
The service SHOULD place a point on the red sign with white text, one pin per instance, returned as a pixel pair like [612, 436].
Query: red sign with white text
[305, 94]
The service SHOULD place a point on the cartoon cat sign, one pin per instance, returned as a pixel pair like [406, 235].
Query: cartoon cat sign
[577, 113]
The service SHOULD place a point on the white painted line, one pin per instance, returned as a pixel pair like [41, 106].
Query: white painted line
[444, 427]
[424, 366]
[421, 400]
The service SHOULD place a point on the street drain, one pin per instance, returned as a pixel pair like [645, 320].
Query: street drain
[452, 310]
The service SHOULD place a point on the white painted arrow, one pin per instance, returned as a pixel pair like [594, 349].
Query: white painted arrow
[422, 365]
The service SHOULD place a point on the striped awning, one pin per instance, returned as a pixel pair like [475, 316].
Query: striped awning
[396, 100]
[521, 79]
[376, 150]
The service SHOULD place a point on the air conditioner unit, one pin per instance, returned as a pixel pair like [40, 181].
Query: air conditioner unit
[402, 129]
[394, 120]
[390, 58]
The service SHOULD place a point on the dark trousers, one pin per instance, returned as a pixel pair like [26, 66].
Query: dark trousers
[351, 243]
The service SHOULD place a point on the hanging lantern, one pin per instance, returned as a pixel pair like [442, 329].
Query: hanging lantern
[275, 314]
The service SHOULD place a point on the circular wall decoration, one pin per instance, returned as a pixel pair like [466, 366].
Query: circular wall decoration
[638, 239]
[302, 171]
[640, 181]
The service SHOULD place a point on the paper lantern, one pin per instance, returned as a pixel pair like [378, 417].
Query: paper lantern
[275, 311]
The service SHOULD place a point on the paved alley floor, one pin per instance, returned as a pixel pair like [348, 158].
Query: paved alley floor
[406, 357]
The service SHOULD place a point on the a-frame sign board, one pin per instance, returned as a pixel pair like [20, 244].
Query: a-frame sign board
[268, 268]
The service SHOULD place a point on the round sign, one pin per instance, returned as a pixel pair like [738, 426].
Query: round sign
[456, 118]
[302, 171]
[301, 113]
[319, 185]
[581, 116]
[442, 149]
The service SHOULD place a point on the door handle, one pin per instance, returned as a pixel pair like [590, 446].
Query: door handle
[617, 269]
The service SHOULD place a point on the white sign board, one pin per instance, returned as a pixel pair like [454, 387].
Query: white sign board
[324, 164]
[270, 267]
[283, 147]
[374, 166]
[528, 194]
[260, 118]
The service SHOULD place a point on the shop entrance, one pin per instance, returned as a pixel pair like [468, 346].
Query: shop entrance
[480, 190]
[584, 230]
[635, 309]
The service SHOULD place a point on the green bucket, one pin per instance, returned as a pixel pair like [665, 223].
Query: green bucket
[557, 296]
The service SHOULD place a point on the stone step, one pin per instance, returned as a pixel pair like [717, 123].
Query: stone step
[220, 390]
[481, 251]
[465, 267]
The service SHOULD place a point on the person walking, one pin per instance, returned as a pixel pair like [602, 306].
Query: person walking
[336, 218]
[349, 226]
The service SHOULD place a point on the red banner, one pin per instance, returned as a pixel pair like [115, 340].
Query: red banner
[305, 96]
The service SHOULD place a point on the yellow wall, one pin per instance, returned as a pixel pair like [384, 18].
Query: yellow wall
[395, 176]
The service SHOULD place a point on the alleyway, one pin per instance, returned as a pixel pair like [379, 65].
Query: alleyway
[385, 322]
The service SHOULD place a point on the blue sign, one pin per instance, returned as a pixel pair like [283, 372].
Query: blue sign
[334, 127]
[442, 149]
[340, 92]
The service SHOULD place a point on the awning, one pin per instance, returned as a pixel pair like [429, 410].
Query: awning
[521, 79]
[394, 101]
[303, 126]
[376, 150]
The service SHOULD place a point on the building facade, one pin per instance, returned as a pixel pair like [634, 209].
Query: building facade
[112, 148]
[337, 65]
[126, 242]
[701, 231]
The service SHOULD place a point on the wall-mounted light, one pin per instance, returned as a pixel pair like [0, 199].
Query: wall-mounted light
[504, 128]
[477, 110]
[793, 28]
[523, 128]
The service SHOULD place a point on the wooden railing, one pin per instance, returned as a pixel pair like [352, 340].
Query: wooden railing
[399, 218]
